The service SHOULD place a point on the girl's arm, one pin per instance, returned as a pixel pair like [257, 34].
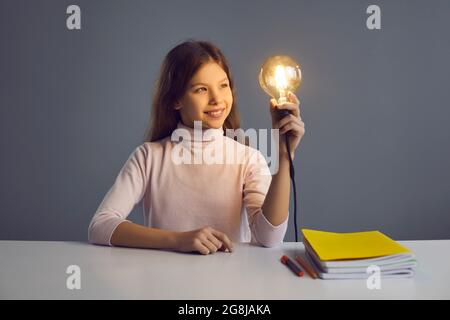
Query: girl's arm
[205, 240]
[276, 203]
[127, 190]
[128, 234]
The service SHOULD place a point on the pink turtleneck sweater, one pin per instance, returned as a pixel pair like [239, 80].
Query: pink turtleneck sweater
[182, 196]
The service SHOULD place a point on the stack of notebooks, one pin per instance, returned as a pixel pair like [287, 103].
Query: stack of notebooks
[348, 255]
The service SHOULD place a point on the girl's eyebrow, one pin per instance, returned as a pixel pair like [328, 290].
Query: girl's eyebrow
[200, 83]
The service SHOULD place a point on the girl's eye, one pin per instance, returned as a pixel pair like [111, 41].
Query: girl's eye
[200, 89]
[224, 85]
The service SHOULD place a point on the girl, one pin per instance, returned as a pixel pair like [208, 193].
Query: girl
[198, 207]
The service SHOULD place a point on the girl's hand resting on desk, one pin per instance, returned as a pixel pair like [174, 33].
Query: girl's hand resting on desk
[205, 240]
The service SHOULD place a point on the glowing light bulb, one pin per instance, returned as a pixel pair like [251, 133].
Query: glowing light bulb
[278, 75]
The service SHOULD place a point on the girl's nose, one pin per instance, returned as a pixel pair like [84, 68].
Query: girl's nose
[215, 97]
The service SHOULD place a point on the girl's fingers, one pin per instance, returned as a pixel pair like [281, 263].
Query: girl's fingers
[287, 119]
[211, 247]
[295, 132]
[293, 104]
[292, 126]
[217, 243]
[200, 247]
[223, 237]
[292, 107]
[293, 98]
[273, 103]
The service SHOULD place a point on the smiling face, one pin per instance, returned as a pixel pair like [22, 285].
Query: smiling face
[208, 97]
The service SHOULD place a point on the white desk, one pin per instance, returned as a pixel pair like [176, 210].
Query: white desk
[37, 270]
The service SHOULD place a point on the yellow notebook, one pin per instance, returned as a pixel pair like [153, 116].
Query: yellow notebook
[358, 245]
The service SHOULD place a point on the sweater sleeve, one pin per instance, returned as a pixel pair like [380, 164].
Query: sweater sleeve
[256, 185]
[127, 190]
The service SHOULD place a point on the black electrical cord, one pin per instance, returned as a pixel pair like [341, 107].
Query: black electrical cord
[292, 175]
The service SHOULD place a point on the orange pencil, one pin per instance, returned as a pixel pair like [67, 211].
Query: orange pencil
[307, 267]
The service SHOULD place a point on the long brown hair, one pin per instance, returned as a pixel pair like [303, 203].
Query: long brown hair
[177, 69]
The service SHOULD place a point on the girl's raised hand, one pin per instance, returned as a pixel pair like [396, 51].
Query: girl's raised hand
[205, 240]
[291, 123]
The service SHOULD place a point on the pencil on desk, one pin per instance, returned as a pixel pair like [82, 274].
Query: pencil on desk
[307, 267]
[291, 265]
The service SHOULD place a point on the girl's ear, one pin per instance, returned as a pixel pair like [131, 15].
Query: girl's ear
[177, 106]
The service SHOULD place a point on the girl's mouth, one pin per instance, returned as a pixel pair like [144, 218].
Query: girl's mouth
[217, 113]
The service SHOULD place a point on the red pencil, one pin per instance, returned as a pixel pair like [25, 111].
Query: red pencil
[291, 265]
[307, 267]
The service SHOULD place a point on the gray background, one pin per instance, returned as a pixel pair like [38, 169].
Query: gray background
[74, 105]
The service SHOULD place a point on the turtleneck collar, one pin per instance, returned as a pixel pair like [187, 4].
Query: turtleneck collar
[199, 134]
